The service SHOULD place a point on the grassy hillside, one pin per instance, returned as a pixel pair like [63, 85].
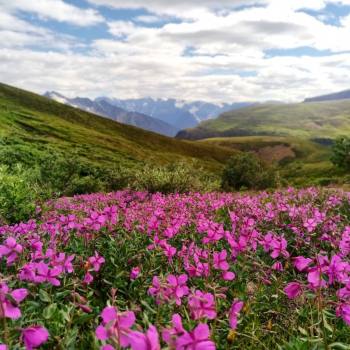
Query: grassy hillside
[299, 160]
[305, 120]
[40, 125]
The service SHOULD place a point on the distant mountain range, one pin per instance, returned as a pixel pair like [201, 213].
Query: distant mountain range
[180, 114]
[37, 125]
[105, 109]
[164, 116]
[342, 95]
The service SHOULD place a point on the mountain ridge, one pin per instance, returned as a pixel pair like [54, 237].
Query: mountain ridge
[341, 95]
[107, 110]
[39, 124]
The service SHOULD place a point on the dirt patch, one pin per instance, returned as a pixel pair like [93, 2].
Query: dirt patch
[273, 154]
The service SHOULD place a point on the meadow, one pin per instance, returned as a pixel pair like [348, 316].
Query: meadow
[265, 270]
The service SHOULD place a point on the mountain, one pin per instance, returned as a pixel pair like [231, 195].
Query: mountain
[342, 95]
[105, 109]
[38, 124]
[180, 114]
[306, 120]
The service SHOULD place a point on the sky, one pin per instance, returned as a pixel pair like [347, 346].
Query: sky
[210, 50]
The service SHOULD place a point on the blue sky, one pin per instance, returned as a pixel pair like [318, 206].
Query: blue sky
[225, 50]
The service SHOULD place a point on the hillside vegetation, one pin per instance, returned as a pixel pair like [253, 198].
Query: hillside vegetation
[41, 125]
[306, 120]
[299, 161]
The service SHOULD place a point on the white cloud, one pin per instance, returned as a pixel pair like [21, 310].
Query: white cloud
[210, 55]
[55, 10]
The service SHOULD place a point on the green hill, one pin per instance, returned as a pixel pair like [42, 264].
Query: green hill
[296, 137]
[306, 120]
[41, 125]
[300, 161]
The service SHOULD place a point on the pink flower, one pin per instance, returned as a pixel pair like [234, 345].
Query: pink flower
[174, 288]
[310, 225]
[228, 275]
[88, 278]
[10, 249]
[64, 262]
[198, 339]
[177, 287]
[134, 273]
[343, 311]
[170, 335]
[277, 266]
[147, 341]
[314, 277]
[279, 248]
[220, 262]
[96, 261]
[293, 290]
[34, 336]
[202, 305]
[116, 326]
[107, 347]
[338, 270]
[302, 263]
[3, 347]
[235, 309]
[10, 309]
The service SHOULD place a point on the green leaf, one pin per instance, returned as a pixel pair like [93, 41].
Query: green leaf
[338, 345]
[303, 331]
[44, 296]
[49, 311]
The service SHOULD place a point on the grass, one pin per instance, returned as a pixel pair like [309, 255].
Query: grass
[305, 120]
[38, 124]
[300, 161]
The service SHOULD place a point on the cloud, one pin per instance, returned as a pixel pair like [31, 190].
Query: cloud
[179, 8]
[57, 10]
[16, 32]
[211, 52]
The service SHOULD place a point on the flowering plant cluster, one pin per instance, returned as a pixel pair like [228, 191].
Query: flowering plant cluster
[195, 271]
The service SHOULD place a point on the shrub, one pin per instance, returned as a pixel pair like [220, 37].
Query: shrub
[246, 170]
[173, 178]
[19, 194]
[341, 153]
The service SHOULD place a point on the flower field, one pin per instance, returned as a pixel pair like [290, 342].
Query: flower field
[185, 272]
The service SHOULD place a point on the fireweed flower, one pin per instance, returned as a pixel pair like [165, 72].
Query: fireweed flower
[88, 278]
[278, 246]
[235, 309]
[10, 300]
[34, 336]
[116, 326]
[147, 341]
[220, 262]
[3, 347]
[202, 305]
[177, 287]
[170, 335]
[64, 262]
[135, 272]
[198, 339]
[174, 288]
[343, 311]
[10, 249]
[293, 290]
[96, 261]
[310, 225]
[301, 263]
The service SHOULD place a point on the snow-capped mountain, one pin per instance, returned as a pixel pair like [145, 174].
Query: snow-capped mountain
[105, 109]
[181, 114]
[164, 116]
